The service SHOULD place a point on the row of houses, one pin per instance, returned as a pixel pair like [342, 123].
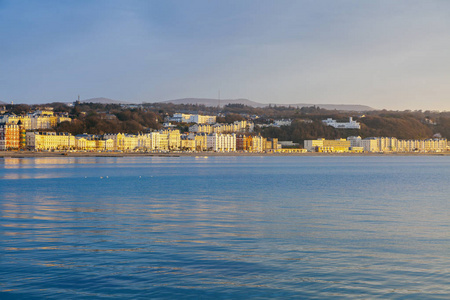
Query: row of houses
[193, 118]
[14, 136]
[164, 140]
[38, 120]
[376, 144]
[236, 126]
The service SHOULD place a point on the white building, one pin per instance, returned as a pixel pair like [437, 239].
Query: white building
[342, 125]
[355, 141]
[392, 144]
[221, 142]
[279, 123]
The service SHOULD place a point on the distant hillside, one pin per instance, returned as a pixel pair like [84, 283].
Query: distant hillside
[342, 107]
[103, 100]
[3, 103]
[215, 102]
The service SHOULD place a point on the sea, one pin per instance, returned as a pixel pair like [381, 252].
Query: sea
[243, 227]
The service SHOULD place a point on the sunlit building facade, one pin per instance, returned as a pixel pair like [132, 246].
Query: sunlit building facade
[50, 141]
[9, 136]
[221, 142]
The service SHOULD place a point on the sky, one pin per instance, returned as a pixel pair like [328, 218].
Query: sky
[384, 54]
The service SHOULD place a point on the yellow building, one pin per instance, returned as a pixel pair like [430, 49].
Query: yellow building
[323, 145]
[85, 144]
[188, 145]
[312, 145]
[236, 126]
[38, 120]
[104, 145]
[173, 139]
[200, 142]
[339, 145]
[50, 141]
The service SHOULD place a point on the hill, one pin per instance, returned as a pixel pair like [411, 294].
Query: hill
[103, 100]
[215, 102]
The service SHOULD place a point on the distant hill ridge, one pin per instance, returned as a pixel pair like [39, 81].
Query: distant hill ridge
[215, 102]
[222, 102]
[103, 100]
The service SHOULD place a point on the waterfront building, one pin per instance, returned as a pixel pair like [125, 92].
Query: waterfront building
[370, 145]
[312, 145]
[201, 141]
[254, 143]
[428, 145]
[221, 142]
[173, 139]
[50, 141]
[323, 145]
[187, 144]
[123, 141]
[272, 144]
[338, 145]
[104, 145]
[355, 141]
[163, 142]
[83, 143]
[155, 140]
[243, 142]
[9, 136]
[392, 144]
[91, 142]
[258, 144]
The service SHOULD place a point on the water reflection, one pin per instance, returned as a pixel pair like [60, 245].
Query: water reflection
[53, 161]
[32, 176]
[228, 228]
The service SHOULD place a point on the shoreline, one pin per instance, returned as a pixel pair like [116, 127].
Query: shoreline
[30, 154]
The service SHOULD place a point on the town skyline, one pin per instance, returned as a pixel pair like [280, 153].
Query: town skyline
[151, 128]
[387, 55]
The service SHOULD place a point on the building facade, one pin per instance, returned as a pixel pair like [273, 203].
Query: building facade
[10, 137]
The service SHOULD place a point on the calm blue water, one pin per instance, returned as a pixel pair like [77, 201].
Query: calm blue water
[225, 227]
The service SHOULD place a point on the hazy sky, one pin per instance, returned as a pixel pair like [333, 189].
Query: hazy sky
[385, 54]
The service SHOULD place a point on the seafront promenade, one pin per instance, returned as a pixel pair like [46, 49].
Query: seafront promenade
[26, 154]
